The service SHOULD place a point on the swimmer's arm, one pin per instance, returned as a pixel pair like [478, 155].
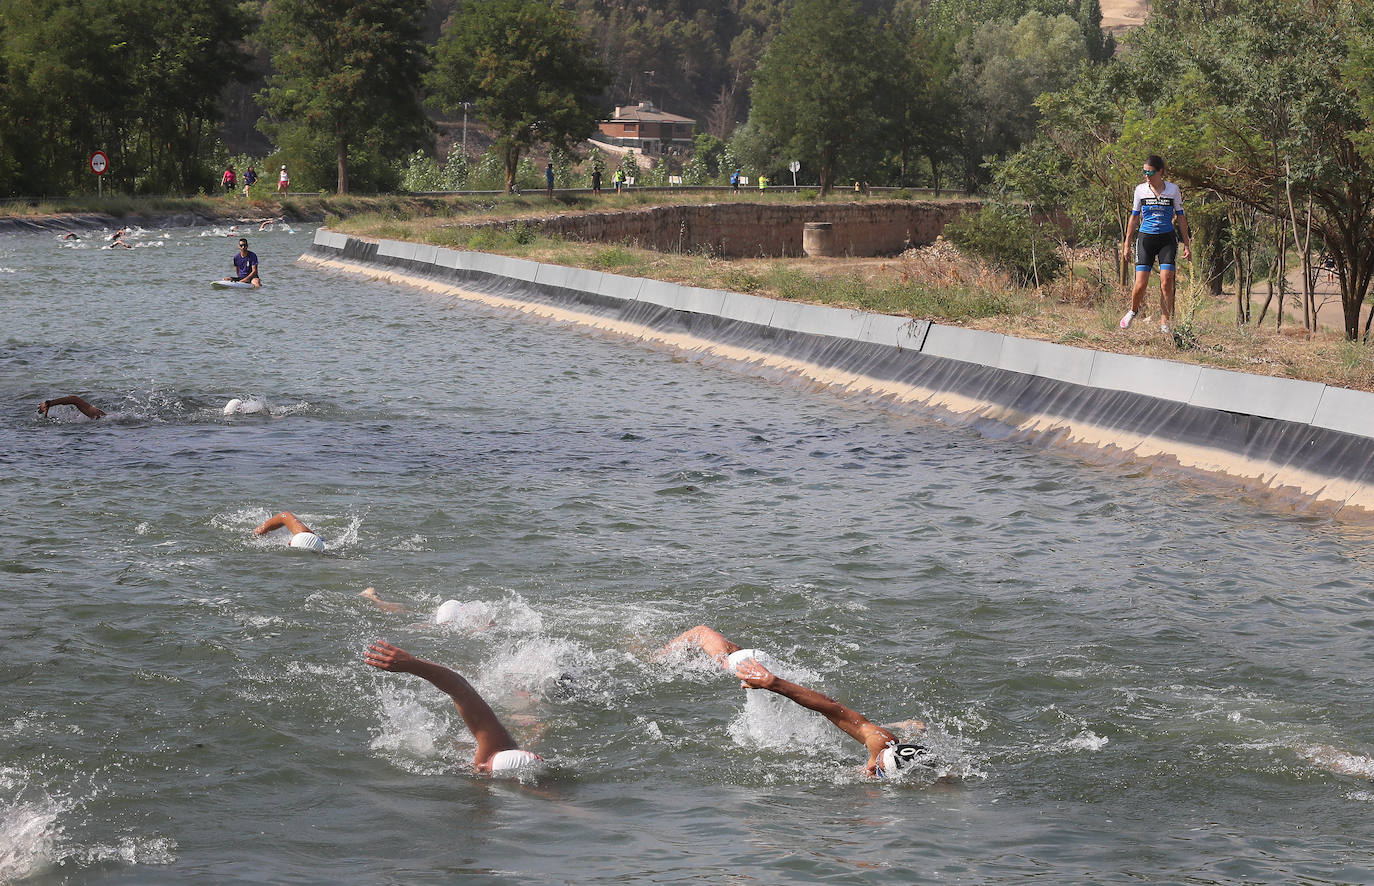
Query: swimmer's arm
[708, 640]
[384, 605]
[285, 518]
[85, 408]
[847, 720]
[491, 736]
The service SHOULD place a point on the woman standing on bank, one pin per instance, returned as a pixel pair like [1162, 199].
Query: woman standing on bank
[1158, 214]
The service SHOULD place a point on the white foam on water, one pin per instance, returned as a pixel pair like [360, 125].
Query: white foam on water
[534, 665]
[294, 409]
[29, 837]
[412, 735]
[130, 850]
[1338, 761]
[514, 615]
[1086, 740]
[767, 720]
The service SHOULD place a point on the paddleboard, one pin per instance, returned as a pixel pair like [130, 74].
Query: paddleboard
[229, 284]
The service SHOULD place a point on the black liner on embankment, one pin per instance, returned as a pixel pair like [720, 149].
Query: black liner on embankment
[1306, 444]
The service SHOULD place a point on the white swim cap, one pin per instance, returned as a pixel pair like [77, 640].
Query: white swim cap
[505, 761]
[897, 757]
[232, 406]
[308, 540]
[758, 655]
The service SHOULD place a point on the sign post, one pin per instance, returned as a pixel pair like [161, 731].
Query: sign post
[100, 162]
[794, 166]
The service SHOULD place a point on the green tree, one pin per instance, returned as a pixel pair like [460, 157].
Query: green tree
[140, 79]
[529, 71]
[817, 89]
[347, 75]
[1004, 66]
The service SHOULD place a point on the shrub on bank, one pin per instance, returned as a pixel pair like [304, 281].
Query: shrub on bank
[1008, 240]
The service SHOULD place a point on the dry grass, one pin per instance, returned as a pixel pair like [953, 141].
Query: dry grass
[937, 283]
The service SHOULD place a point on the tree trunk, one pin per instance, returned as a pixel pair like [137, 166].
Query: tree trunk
[342, 148]
[512, 161]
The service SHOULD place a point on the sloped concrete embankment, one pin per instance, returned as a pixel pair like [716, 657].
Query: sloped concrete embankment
[1301, 444]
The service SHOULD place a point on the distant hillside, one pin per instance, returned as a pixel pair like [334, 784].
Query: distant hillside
[1118, 15]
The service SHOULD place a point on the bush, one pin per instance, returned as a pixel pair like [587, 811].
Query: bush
[1007, 239]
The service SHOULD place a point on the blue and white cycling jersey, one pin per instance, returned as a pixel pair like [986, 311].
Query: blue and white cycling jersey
[1157, 211]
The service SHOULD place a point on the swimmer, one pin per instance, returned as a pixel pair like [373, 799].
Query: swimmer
[82, 406]
[474, 616]
[886, 754]
[496, 750]
[118, 239]
[70, 235]
[301, 536]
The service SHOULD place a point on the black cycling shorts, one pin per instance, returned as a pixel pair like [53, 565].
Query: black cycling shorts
[1148, 247]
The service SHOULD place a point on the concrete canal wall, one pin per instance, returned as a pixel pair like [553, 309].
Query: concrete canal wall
[1304, 444]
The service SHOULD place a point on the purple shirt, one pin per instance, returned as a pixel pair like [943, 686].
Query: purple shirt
[245, 264]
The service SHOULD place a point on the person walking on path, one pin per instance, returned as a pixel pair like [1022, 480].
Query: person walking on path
[283, 181]
[1157, 212]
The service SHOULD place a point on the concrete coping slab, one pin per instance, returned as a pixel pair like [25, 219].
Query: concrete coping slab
[897, 332]
[1046, 359]
[746, 308]
[1161, 379]
[396, 249]
[964, 345]
[657, 292]
[578, 279]
[1282, 398]
[1347, 411]
[819, 320]
[621, 287]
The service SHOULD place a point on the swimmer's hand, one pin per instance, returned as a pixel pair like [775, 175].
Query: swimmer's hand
[753, 675]
[389, 658]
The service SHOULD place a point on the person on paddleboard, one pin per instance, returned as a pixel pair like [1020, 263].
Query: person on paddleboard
[496, 750]
[886, 754]
[245, 266]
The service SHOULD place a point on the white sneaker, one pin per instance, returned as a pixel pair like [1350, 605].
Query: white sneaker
[1164, 328]
[1126, 320]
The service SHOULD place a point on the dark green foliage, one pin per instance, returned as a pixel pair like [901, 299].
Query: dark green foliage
[529, 70]
[818, 91]
[1006, 238]
[347, 75]
[139, 79]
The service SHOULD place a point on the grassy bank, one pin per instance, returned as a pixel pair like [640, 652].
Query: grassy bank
[936, 283]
